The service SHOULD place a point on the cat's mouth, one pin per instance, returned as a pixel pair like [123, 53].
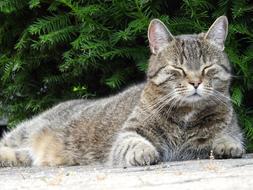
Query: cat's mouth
[196, 95]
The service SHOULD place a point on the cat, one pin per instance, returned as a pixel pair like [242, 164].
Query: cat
[182, 111]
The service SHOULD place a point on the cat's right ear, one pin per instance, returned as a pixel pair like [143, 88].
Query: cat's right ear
[158, 36]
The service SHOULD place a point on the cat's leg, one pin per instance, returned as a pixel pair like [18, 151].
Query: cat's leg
[48, 149]
[229, 143]
[131, 149]
[14, 157]
[13, 149]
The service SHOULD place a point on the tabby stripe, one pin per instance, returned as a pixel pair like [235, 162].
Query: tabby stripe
[125, 152]
[183, 53]
[225, 68]
[158, 70]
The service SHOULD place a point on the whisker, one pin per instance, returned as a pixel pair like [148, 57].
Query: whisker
[156, 103]
[210, 93]
[226, 97]
[171, 108]
[154, 113]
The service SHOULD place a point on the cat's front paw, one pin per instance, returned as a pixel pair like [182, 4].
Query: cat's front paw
[131, 149]
[142, 154]
[228, 149]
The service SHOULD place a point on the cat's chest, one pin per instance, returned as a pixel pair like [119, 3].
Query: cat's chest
[186, 120]
[188, 117]
[193, 124]
[195, 119]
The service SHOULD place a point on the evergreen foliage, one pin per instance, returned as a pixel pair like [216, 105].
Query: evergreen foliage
[53, 50]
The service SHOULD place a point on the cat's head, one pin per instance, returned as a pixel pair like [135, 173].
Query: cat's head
[189, 68]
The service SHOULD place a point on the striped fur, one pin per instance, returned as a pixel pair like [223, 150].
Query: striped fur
[183, 111]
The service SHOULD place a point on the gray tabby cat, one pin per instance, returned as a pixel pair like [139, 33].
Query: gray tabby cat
[183, 111]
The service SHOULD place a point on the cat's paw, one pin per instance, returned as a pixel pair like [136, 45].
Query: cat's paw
[131, 149]
[228, 149]
[142, 154]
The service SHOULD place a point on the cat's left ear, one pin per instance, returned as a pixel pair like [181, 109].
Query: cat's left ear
[217, 33]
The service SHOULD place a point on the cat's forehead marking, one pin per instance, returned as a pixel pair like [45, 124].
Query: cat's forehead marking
[190, 52]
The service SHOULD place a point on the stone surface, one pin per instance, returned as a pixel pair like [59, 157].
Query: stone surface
[197, 174]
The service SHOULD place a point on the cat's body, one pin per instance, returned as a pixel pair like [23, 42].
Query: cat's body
[74, 132]
[172, 116]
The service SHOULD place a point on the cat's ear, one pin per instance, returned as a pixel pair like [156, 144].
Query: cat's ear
[217, 33]
[158, 36]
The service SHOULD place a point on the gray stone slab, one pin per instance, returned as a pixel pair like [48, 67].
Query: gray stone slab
[196, 174]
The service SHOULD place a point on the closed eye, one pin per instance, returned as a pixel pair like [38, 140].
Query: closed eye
[219, 65]
[205, 68]
[180, 69]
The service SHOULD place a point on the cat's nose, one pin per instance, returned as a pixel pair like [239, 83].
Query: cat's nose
[195, 84]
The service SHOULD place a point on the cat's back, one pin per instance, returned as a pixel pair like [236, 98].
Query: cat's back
[114, 108]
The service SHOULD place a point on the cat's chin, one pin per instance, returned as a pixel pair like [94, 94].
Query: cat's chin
[194, 98]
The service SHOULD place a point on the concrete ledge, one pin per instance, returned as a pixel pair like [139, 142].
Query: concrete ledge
[198, 174]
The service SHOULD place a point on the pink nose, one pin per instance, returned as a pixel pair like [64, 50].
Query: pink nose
[195, 84]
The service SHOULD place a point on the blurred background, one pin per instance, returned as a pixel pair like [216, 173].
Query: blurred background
[54, 50]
